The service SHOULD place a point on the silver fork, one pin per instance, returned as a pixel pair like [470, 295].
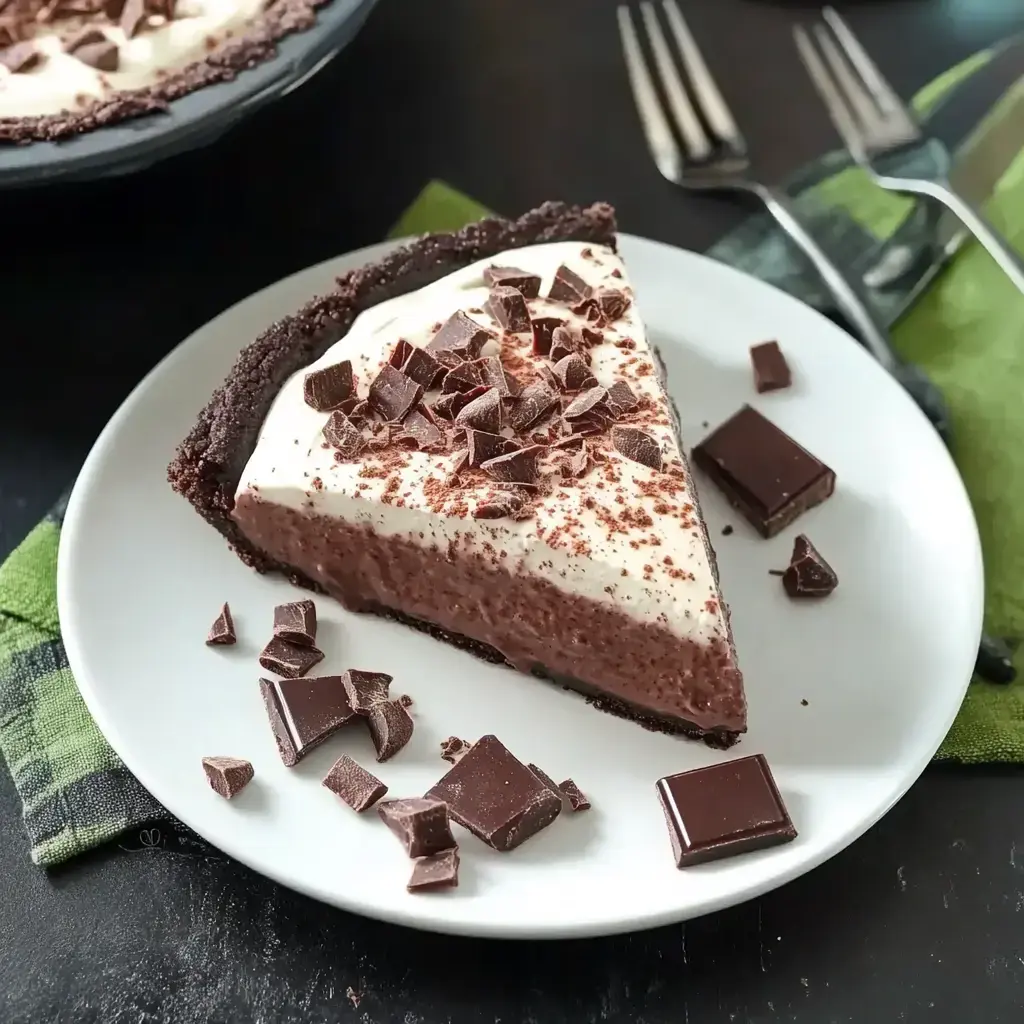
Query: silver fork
[881, 132]
[715, 158]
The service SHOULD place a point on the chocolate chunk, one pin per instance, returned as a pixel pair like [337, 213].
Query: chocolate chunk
[327, 388]
[449, 406]
[762, 471]
[576, 464]
[438, 871]
[547, 377]
[493, 794]
[565, 342]
[102, 56]
[536, 401]
[21, 57]
[527, 284]
[518, 467]
[452, 749]
[354, 784]
[501, 506]
[304, 712]
[569, 287]
[483, 446]
[543, 328]
[483, 413]
[771, 371]
[227, 776]
[405, 700]
[400, 354]
[621, 399]
[390, 728]
[613, 303]
[296, 622]
[464, 377]
[423, 368]
[365, 690]
[573, 793]
[343, 435]
[508, 307]
[584, 403]
[723, 810]
[421, 823]
[421, 427]
[637, 446]
[494, 375]
[591, 338]
[289, 660]
[808, 575]
[590, 310]
[392, 394]
[459, 339]
[222, 632]
[573, 373]
[133, 17]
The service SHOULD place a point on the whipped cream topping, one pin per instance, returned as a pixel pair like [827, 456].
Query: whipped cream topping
[62, 82]
[623, 534]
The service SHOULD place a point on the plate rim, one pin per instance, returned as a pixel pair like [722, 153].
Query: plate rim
[518, 930]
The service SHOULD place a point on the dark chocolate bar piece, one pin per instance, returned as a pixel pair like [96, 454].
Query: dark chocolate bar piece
[420, 823]
[762, 471]
[296, 622]
[354, 784]
[304, 712]
[808, 575]
[771, 371]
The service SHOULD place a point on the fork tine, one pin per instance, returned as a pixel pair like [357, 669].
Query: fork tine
[867, 117]
[656, 128]
[698, 144]
[716, 110]
[883, 93]
[838, 111]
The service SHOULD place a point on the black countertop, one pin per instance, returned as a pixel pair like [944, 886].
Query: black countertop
[513, 102]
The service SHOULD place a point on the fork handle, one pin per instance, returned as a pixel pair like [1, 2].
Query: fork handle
[846, 295]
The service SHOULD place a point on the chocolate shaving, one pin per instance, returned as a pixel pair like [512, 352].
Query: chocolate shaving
[527, 284]
[613, 303]
[636, 445]
[460, 338]
[621, 399]
[568, 286]
[483, 413]
[327, 388]
[423, 368]
[21, 57]
[508, 307]
[584, 403]
[342, 434]
[400, 354]
[222, 632]
[392, 394]
[421, 428]
[573, 373]
[536, 401]
[463, 377]
[515, 467]
[484, 446]
[543, 328]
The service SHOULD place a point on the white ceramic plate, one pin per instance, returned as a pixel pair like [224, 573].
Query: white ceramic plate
[849, 697]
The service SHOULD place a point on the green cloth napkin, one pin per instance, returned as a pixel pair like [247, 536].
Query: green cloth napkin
[76, 792]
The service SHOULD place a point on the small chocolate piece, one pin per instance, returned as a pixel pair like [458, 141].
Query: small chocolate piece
[569, 287]
[405, 700]
[101, 55]
[390, 727]
[354, 784]
[564, 342]
[543, 328]
[304, 712]
[576, 464]
[460, 338]
[508, 307]
[483, 413]
[400, 354]
[536, 401]
[421, 823]
[463, 377]
[519, 467]
[621, 399]
[584, 403]
[484, 447]
[296, 622]
[421, 427]
[289, 660]
[343, 435]
[808, 575]
[547, 376]
[501, 506]
[438, 871]
[494, 375]
[527, 284]
[613, 303]
[133, 17]
[222, 632]
[771, 371]
[392, 394]
[423, 368]
[449, 406]
[573, 373]
[723, 810]
[327, 388]
[453, 749]
[227, 776]
[573, 793]
[493, 794]
[762, 471]
[637, 446]
[21, 57]
[365, 690]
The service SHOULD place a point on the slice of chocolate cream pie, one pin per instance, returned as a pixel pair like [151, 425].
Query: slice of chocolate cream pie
[472, 436]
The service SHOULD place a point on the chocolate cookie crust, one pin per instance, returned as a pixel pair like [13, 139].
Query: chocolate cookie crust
[208, 464]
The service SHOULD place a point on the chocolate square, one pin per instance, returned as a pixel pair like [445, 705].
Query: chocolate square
[723, 810]
[771, 371]
[304, 712]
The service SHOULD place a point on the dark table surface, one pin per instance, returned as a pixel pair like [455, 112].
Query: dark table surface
[921, 920]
